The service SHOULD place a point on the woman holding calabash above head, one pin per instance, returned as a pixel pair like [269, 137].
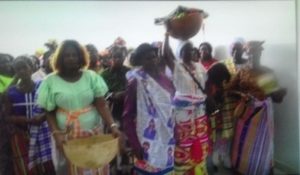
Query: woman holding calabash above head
[191, 122]
[74, 98]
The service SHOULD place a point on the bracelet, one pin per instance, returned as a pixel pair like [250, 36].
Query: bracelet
[114, 125]
[215, 112]
[57, 132]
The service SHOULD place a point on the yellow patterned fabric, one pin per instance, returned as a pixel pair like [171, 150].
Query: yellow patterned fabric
[230, 66]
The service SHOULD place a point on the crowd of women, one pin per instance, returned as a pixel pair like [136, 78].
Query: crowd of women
[183, 112]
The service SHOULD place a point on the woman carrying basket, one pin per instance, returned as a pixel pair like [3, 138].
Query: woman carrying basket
[73, 97]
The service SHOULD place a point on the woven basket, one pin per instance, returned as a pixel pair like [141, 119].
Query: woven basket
[92, 152]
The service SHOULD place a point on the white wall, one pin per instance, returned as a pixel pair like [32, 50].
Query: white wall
[298, 54]
[27, 25]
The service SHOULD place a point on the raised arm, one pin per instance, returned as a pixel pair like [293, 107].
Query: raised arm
[167, 53]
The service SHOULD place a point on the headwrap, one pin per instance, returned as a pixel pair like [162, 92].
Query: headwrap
[237, 40]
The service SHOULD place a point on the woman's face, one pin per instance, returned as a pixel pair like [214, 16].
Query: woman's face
[118, 59]
[204, 52]
[71, 60]
[23, 70]
[187, 53]
[150, 60]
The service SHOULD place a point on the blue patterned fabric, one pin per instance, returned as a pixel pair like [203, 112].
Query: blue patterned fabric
[24, 104]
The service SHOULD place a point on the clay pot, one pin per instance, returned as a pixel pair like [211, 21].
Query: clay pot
[186, 26]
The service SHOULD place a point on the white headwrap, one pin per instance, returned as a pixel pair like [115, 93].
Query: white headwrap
[239, 39]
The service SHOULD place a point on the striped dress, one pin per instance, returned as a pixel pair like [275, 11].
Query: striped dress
[252, 150]
[191, 123]
[253, 144]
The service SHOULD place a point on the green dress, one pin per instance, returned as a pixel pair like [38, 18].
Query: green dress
[56, 93]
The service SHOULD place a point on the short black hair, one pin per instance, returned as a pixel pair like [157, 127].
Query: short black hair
[92, 49]
[218, 73]
[25, 59]
[208, 45]
[4, 58]
[137, 56]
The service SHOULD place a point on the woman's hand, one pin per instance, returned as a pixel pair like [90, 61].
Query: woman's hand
[60, 139]
[118, 134]
[168, 26]
[278, 96]
[37, 120]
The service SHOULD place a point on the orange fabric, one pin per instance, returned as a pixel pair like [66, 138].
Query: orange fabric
[72, 119]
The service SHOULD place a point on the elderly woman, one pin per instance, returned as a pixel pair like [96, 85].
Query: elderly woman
[191, 122]
[148, 102]
[253, 141]
[237, 60]
[74, 98]
[30, 136]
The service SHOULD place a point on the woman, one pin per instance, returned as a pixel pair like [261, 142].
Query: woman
[73, 97]
[30, 140]
[237, 62]
[45, 68]
[206, 59]
[191, 128]
[94, 58]
[223, 121]
[115, 78]
[148, 102]
[252, 151]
